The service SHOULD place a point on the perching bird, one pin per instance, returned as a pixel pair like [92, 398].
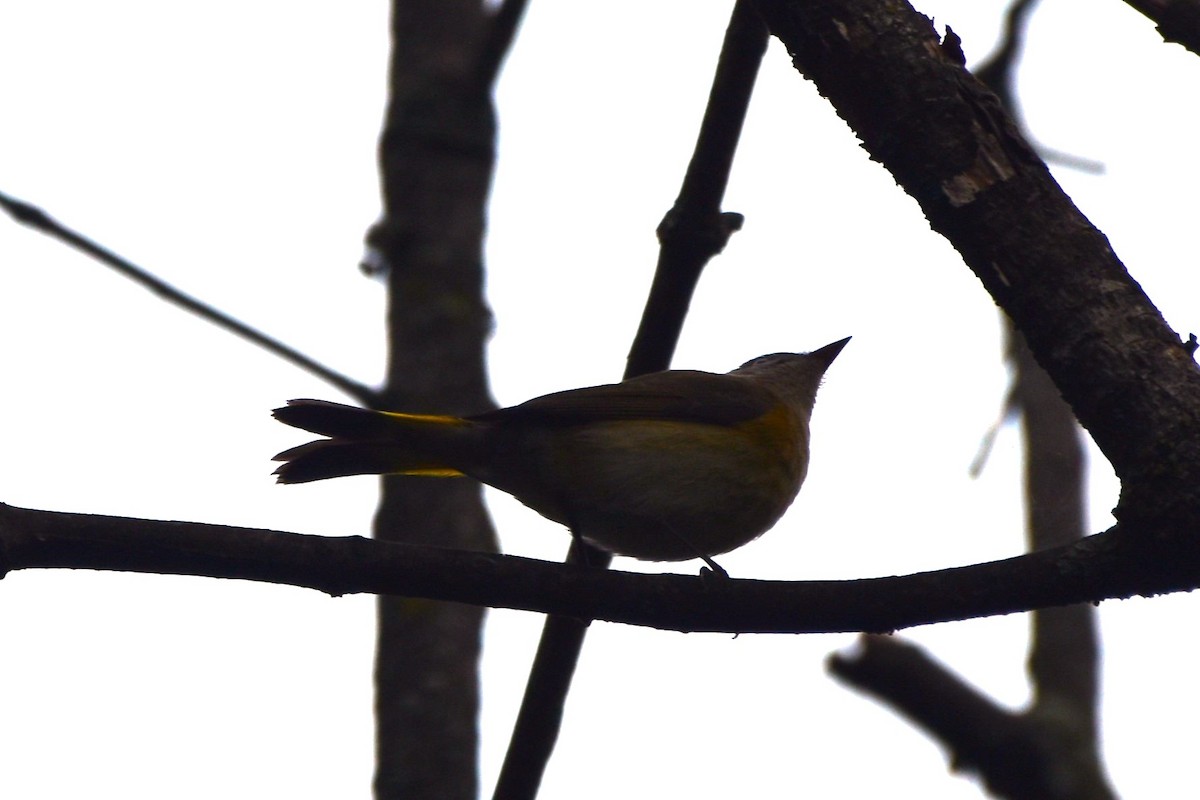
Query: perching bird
[667, 466]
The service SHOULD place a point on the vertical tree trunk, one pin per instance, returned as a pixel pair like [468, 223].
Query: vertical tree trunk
[436, 156]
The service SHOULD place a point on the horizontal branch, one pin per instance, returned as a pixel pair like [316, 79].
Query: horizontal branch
[1105, 566]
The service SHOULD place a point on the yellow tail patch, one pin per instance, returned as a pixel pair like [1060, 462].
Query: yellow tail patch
[432, 472]
[432, 419]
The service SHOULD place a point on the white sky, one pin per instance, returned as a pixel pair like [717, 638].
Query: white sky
[230, 149]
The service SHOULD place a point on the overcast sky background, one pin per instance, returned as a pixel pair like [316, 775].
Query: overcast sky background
[230, 149]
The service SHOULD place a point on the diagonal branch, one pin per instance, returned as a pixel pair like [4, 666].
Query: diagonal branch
[1178, 20]
[695, 229]
[1009, 751]
[691, 234]
[39, 220]
[999, 72]
[498, 40]
[1050, 750]
[949, 144]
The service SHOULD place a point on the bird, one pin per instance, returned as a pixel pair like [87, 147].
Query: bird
[665, 466]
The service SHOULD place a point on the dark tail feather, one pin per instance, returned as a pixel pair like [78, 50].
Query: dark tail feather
[368, 442]
[330, 458]
[334, 419]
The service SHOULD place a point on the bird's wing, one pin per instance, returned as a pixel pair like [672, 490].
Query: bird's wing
[678, 395]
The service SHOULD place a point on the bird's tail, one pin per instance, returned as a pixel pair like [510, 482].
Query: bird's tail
[365, 442]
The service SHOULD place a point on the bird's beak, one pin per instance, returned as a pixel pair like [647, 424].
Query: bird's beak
[830, 351]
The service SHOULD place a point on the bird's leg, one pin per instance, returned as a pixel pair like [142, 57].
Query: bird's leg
[713, 568]
[580, 549]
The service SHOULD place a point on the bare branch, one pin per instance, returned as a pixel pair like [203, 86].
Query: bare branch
[1104, 566]
[999, 71]
[39, 220]
[695, 229]
[1178, 20]
[691, 234]
[950, 145]
[436, 156]
[1056, 739]
[498, 39]
[1017, 755]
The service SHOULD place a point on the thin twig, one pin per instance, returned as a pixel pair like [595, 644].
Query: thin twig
[34, 217]
[499, 38]
[999, 72]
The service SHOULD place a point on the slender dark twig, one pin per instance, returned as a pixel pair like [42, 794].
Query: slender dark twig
[34, 217]
[499, 38]
[999, 71]
[695, 229]
[692, 232]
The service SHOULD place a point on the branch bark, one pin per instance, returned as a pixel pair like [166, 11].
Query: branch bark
[1100, 567]
[1018, 756]
[436, 154]
[951, 146]
[1178, 20]
[691, 234]
[1050, 750]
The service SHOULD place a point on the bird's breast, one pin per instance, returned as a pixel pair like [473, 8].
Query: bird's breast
[671, 490]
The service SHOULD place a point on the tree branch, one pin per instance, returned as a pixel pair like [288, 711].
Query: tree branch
[1105, 566]
[950, 145]
[695, 229]
[999, 72]
[39, 220]
[436, 154]
[1017, 755]
[502, 30]
[1051, 750]
[691, 234]
[1178, 20]
[1055, 740]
